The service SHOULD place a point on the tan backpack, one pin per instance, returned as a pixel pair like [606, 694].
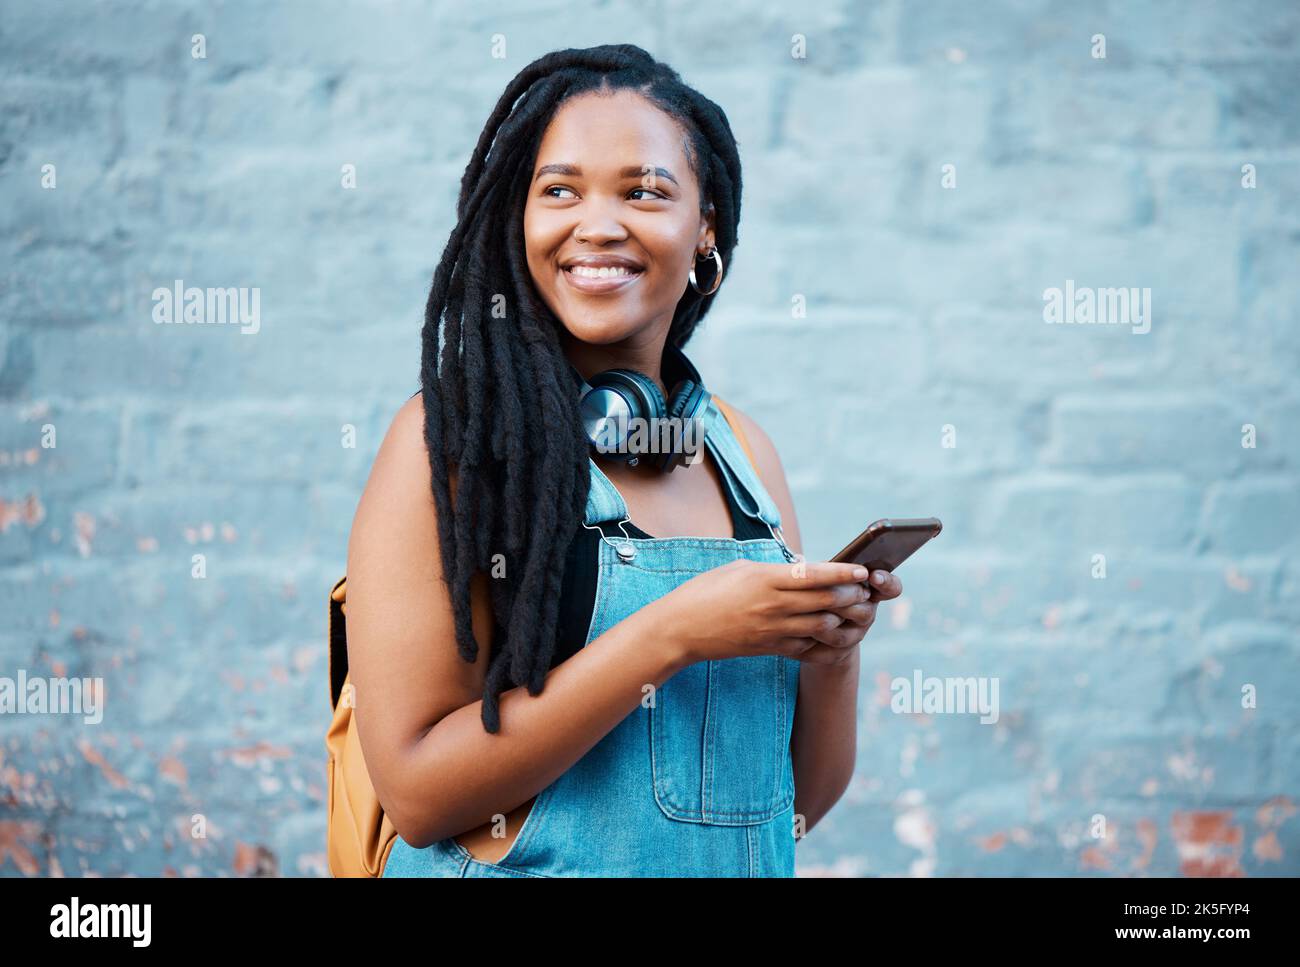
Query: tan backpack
[359, 836]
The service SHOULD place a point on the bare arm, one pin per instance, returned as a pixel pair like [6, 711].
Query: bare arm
[825, 738]
[435, 769]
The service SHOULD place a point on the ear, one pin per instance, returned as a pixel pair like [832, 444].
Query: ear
[707, 238]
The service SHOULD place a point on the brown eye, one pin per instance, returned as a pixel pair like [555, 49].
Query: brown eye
[655, 193]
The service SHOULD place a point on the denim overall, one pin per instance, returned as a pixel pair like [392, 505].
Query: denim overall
[701, 782]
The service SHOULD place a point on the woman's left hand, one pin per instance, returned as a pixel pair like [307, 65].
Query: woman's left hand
[840, 644]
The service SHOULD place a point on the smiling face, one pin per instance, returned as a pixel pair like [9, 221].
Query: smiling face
[612, 224]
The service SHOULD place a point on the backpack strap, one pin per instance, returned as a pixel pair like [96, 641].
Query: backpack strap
[338, 639]
[730, 415]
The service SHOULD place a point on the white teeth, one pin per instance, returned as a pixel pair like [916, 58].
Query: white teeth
[605, 272]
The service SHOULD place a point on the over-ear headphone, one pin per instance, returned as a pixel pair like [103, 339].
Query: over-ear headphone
[615, 397]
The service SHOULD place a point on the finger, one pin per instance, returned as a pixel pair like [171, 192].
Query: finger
[846, 635]
[793, 647]
[818, 624]
[825, 599]
[813, 574]
[859, 614]
[841, 635]
[886, 585]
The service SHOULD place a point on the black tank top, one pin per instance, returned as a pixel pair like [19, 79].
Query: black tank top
[578, 589]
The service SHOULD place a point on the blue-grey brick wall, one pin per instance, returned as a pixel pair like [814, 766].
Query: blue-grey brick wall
[917, 176]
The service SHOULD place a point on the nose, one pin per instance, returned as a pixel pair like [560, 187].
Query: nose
[598, 222]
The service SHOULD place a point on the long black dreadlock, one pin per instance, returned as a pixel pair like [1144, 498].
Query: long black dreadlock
[498, 392]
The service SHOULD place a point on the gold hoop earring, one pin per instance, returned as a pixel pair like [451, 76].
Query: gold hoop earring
[717, 278]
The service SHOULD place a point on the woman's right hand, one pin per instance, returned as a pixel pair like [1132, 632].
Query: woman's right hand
[745, 608]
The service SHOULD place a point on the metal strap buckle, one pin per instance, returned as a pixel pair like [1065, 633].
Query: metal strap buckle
[625, 551]
[790, 555]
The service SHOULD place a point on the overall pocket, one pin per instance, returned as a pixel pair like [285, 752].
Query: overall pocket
[720, 741]
[515, 859]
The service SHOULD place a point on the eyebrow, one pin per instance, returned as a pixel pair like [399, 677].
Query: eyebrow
[631, 171]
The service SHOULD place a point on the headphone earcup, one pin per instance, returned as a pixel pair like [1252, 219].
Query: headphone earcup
[689, 400]
[640, 398]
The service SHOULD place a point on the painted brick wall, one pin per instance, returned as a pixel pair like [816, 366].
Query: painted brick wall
[883, 320]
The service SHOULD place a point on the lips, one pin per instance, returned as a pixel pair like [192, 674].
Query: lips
[600, 271]
[598, 274]
[603, 261]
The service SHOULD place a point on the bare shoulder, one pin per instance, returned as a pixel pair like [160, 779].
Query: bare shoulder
[401, 465]
[406, 431]
[395, 516]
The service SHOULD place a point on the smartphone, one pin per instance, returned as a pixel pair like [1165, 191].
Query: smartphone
[888, 543]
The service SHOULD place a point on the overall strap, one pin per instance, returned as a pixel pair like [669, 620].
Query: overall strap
[604, 502]
[727, 437]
